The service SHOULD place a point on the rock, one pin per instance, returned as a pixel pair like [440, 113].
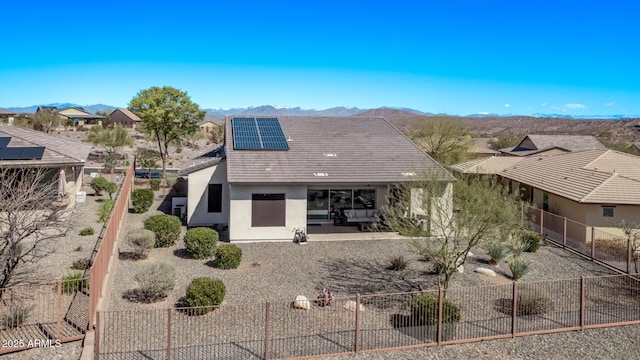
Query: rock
[469, 254]
[302, 302]
[460, 269]
[487, 272]
[351, 306]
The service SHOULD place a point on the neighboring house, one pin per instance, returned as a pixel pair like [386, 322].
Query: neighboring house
[595, 187]
[481, 147]
[74, 116]
[7, 116]
[274, 175]
[553, 145]
[21, 147]
[125, 117]
[486, 165]
[207, 126]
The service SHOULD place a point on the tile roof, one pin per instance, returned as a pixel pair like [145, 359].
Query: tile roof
[6, 112]
[486, 165]
[128, 113]
[591, 176]
[208, 158]
[324, 150]
[58, 151]
[532, 144]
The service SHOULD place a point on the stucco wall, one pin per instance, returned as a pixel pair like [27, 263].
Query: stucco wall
[197, 207]
[240, 228]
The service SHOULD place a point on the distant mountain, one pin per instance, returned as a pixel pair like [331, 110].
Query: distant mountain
[273, 111]
[89, 108]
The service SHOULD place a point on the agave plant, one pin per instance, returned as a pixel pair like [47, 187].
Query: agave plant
[498, 251]
[519, 267]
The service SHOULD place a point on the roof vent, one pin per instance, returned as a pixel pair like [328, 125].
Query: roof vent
[330, 155]
[408, 174]
[320, 174]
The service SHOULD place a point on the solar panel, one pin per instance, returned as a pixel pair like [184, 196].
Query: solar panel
[258, 134]
[4, 141]
[21, 153]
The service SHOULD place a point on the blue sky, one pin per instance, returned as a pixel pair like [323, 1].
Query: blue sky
[457, 57]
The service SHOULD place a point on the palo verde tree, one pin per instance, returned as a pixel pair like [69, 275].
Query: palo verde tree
[111, 140]
[445, 139]
[45, 120]
[30, 221]
[168, 115]
[446, 220]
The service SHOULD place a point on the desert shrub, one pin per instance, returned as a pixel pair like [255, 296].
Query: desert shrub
[154, 184]
[141, 240]
[518, 245]
[228, 256]
[82, 264]
[533, 240]
[87, 231]
[533, 300]
[99, 184]
[155, 281]
[16, 315]
[613, 247]
[519, 267]
[166, 227]
[201, 242]
[142, 200]
[498, 251]
[205, 292]
[397, 263]
[111, 188]
[424, 310]
[72, 283]
[104, 211]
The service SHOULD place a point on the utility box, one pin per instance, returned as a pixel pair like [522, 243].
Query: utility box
[179, 208]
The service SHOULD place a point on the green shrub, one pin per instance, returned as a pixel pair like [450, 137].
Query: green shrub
[86, 231]
[155, 280]
[166, 227]
[228, 256]
[154, 184]
[519, 268]
[82, 264]
[518, 245]
[72, 283]
[201, 242]
[141, 241]
[533, 240]
[533, 300]
[16, 315]
[99, 184]
[104, 211]
[498, 251]
[397, 263]
[142, 200]
[424, 310]
[111, 188]
[205, 292]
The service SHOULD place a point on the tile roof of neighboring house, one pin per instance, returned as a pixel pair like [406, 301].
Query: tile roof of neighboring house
[128, 113]
[7, 112]
[481, 146]
[205, 121]
[591, 176]
[324, 150]
[48, 108]
[533, 144]
[486, 165]
[58, 151]
[203, 161]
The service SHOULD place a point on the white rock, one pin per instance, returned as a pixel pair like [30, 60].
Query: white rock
[351, 306]
[487, 272]
[469, 254]
[302, 302]
[460, 269]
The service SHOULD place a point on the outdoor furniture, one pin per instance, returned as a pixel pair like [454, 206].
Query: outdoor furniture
[356, 216]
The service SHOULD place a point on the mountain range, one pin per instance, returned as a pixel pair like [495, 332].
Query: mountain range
[297, 111]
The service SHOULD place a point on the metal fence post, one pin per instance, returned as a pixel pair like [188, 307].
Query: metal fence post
[96, 348]
[582, 303]
[266, 330]
[357, 339]
[564, 233]
[541, 221]
[593, 243]
[169, 334]
[514, 310]
[521, 214]
[440, 296]
[59, 309]
[629, 255]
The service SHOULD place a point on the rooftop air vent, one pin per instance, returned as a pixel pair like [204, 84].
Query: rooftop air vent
[330, 155]
[320, 174]
[408, 174]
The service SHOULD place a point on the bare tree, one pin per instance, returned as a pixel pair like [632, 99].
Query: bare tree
[31, 220]
[216, 135]
[445, 221]
[631, 233]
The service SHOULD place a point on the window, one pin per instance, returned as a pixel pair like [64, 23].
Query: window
[364, 199]
[268, 210]
[607, 211]
[215, 198]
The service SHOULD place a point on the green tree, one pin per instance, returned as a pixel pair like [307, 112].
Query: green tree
[446, 140]
[147, 159]
[216, 135]
[445, 221]
[168, 115]
[45, 120]
[503, 141]
[111, 140]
